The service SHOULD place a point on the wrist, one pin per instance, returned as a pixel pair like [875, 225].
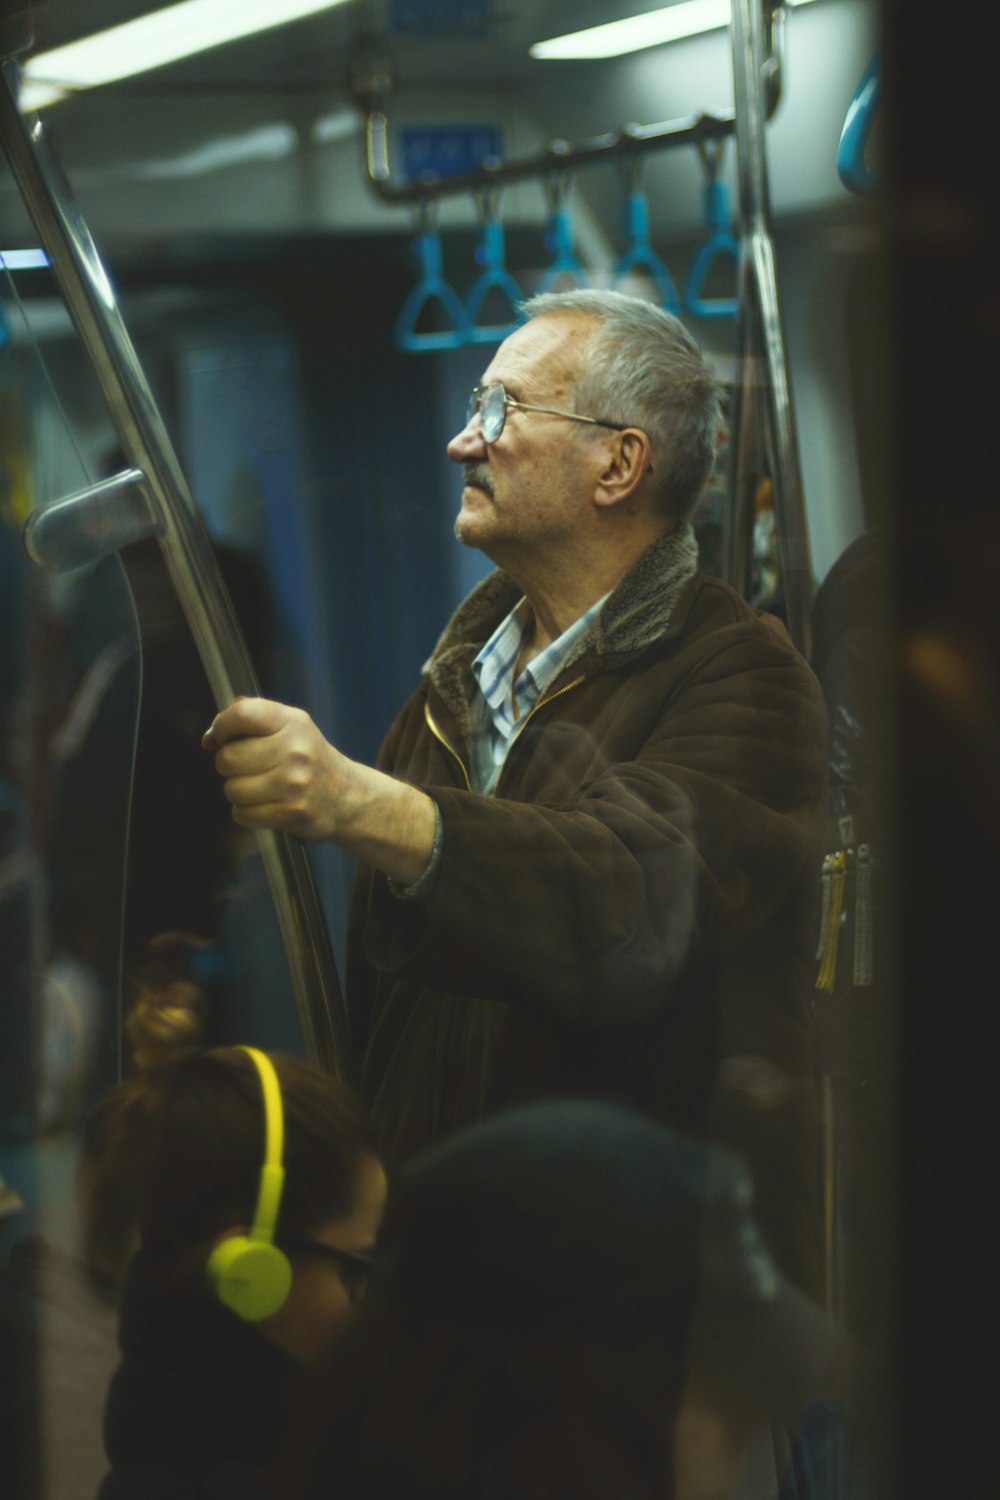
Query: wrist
[388, 823]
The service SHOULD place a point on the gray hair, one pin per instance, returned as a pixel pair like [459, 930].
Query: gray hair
[644, 369]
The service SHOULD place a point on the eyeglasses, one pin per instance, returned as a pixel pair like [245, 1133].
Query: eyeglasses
[356, 1270]
[492, 403]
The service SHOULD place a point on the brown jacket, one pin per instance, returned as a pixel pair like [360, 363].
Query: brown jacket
[634, 904]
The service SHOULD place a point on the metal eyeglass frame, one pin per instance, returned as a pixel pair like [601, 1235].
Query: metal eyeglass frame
[483, 394]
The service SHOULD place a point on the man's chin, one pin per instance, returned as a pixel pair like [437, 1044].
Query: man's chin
[465, 531]
[470, 523]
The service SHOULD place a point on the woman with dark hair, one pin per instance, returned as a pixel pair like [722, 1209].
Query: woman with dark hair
[254, 1189]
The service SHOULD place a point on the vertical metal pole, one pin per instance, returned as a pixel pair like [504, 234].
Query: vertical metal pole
[762, 420]
[185, 545]
[763, 372]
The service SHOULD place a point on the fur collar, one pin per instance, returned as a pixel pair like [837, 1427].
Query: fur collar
[636, 613]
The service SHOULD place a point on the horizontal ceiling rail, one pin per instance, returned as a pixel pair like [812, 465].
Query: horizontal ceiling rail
[373, 90]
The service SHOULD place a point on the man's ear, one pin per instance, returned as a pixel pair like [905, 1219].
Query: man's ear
[627, 462]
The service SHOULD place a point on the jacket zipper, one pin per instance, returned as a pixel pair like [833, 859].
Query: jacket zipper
[550, 699]
[443, 739]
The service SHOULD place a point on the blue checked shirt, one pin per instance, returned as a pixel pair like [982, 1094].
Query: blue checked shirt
[494, 669]
[497, 727]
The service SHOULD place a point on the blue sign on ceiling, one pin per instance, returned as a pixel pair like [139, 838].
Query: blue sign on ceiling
[447, 150]
[431, 17]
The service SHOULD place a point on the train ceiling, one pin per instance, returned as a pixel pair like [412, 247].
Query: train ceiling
[265, 132]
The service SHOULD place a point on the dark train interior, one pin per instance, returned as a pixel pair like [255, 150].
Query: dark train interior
[265, 270]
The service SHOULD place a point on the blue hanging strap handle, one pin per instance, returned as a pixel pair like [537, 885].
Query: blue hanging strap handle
[431, 288]
[720, 241]
[494, 277]
[639, 252]
[564, 265]
[852, 169]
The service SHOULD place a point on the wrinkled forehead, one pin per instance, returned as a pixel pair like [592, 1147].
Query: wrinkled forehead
[543, 356]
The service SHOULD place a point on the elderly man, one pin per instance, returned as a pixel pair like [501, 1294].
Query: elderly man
[587, 855]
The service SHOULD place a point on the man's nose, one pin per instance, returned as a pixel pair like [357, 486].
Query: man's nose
[468, 444]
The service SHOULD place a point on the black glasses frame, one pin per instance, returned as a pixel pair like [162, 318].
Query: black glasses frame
[358, 1268]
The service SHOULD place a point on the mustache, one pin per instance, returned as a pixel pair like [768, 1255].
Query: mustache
[479, 477]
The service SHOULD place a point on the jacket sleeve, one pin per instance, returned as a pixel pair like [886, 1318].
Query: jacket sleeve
[592, 900]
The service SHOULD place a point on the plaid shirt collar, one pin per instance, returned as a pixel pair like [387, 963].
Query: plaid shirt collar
[494, 670]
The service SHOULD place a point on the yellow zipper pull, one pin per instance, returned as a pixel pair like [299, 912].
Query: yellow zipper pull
[824, 906]
[831, 934]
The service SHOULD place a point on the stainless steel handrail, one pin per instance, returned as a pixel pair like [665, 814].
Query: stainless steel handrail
[557, 156]
[185, 544]
[372, 86]
[761, 417]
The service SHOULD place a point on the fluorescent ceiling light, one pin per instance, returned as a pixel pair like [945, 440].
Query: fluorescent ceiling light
[336, 127]
[150, 41]
[265, 143]
[615, 38]
[22, 260]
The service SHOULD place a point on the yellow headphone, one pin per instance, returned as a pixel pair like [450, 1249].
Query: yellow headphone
[247, 1272]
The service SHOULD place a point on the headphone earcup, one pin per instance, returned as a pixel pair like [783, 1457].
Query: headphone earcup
[250, 1277]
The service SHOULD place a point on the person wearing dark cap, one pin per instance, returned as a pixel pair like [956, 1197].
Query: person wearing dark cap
[574, 1301]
